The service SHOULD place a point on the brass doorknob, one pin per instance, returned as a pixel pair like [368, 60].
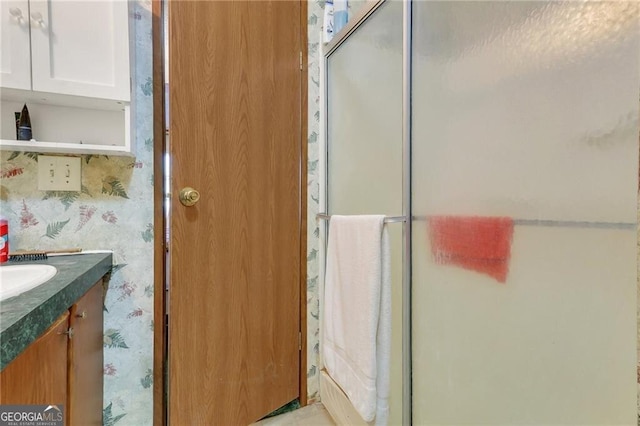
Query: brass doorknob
[189, 196]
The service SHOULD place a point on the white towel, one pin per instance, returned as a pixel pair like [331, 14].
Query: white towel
[357, 313]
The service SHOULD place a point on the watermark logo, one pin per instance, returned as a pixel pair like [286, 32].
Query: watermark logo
[31, 415]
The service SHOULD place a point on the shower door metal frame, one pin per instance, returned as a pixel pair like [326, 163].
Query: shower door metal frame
[368, 9]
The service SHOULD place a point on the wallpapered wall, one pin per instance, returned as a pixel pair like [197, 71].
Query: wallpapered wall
[315, 11]
[113, 211]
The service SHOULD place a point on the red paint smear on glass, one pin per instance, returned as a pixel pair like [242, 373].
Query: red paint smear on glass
[481, 244]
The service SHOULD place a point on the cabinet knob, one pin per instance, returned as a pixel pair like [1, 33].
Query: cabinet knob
[82, 315]
[69, 332]
[16, 13]
[36, 19]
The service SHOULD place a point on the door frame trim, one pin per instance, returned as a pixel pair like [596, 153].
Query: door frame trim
[159, 248]
[159, 223]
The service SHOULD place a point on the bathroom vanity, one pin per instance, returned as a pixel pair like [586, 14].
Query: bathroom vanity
[51, 340]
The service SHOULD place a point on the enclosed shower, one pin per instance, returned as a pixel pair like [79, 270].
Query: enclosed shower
[501, 140]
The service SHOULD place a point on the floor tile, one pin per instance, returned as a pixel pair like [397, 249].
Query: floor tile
[311, 415]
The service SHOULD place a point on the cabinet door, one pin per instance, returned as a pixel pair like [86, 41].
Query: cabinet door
[39, 374]
[15, 55]
[86, 366]
[81, 48]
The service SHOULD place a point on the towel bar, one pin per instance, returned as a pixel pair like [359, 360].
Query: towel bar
[533, 222]
[562, 223]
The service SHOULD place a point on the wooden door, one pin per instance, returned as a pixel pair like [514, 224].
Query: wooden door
[86, 359]
[81, 48]
[39, 374]
[235, 121]
[15, 45]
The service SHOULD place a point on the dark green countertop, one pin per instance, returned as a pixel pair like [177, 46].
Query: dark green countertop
[25, 317]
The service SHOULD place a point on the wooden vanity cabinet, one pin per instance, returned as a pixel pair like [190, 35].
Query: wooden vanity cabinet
[64, 366]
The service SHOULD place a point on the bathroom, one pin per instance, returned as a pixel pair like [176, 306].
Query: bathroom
[511, 229]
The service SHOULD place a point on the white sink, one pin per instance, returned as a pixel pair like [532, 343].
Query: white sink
[17, 279]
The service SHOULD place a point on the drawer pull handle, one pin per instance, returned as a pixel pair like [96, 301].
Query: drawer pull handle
[69, 332]
[82, 315]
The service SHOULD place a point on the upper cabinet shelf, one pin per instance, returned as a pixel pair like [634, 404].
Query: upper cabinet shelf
[69, 61]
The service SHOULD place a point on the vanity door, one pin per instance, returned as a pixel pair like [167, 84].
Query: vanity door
[39, 374]
[86, 359]
[81, 48]
[15, 59]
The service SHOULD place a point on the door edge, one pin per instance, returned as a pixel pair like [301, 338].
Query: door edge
[159, 258]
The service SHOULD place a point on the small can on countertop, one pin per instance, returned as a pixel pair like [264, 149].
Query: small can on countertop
[4, 240]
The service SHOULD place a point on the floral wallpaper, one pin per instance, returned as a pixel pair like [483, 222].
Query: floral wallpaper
[113, 211]
[315, 16]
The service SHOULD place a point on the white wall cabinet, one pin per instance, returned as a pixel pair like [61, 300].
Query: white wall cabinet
[69, 61]
[67, 47]
[80, 48]
[15, 61]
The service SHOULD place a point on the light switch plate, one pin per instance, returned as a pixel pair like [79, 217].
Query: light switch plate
[58, 173]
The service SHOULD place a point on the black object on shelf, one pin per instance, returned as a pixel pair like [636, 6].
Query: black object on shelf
[24, 126]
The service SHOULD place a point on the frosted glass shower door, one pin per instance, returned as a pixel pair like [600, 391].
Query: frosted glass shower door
[525, 174]
[364, 136]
